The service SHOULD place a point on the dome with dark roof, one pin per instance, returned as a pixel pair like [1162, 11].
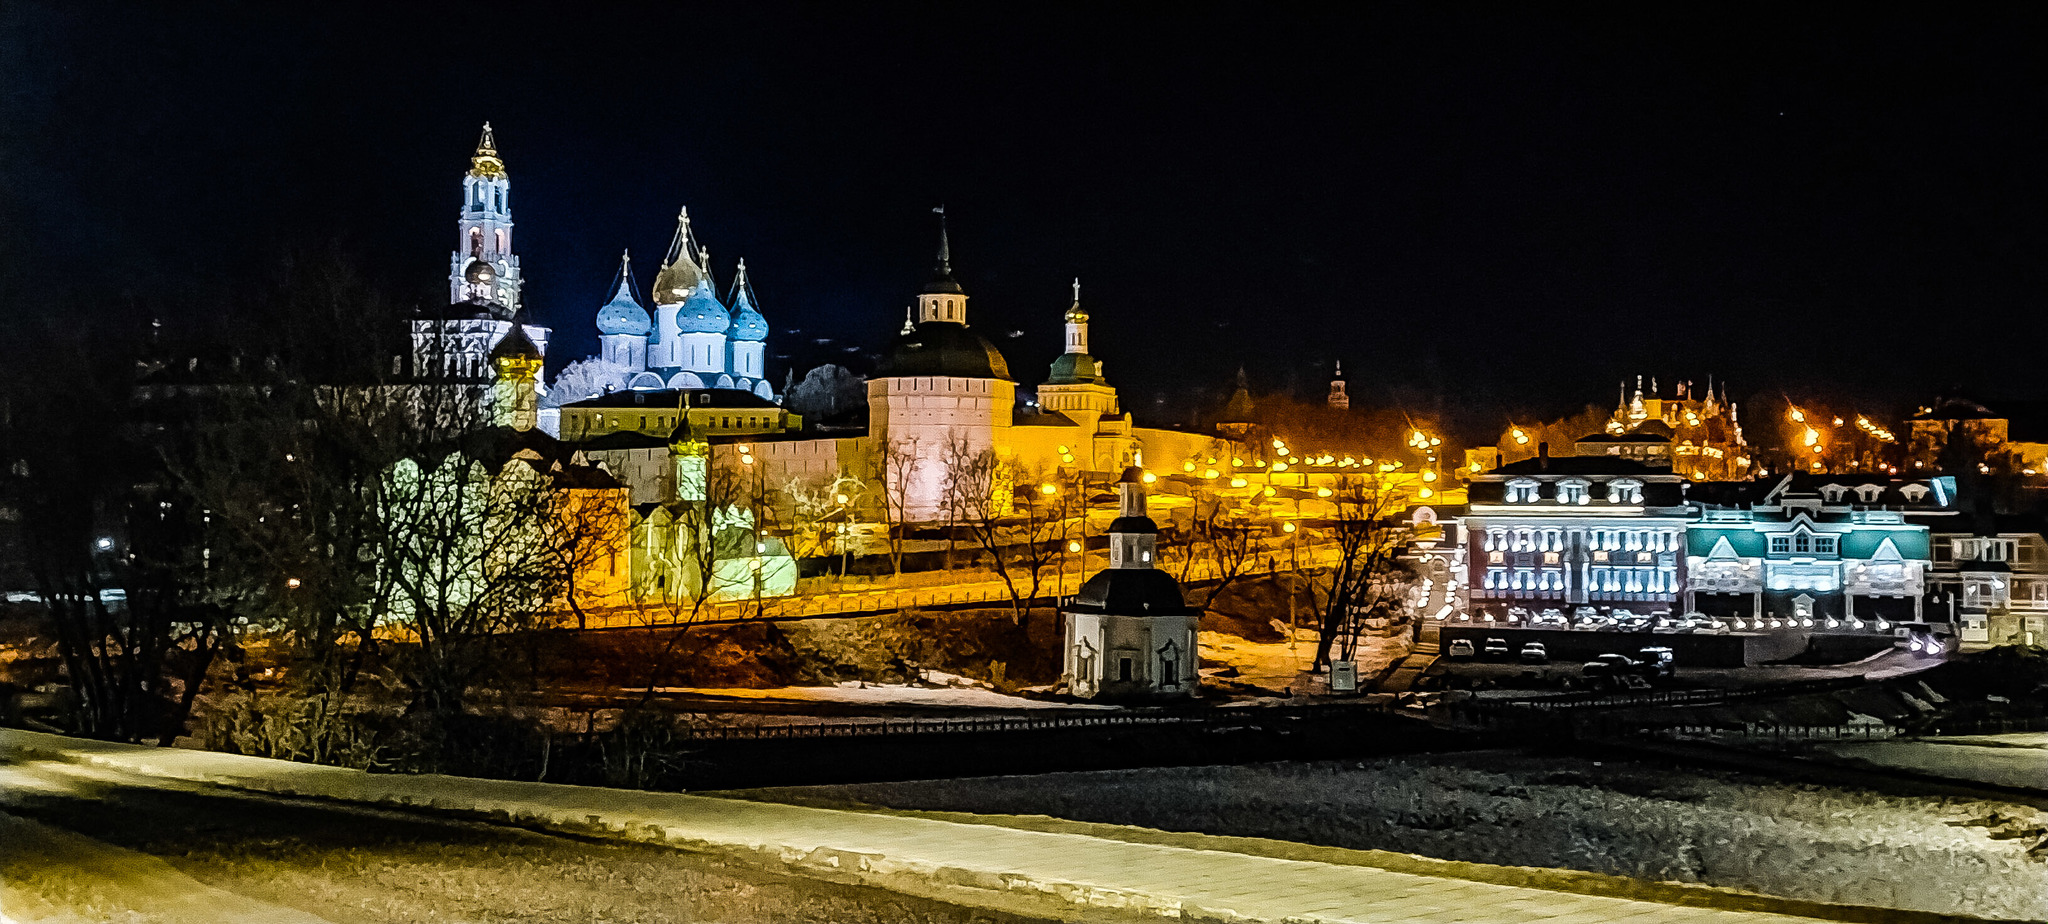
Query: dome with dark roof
[701, 313]
[1130, 592]
[943, 348]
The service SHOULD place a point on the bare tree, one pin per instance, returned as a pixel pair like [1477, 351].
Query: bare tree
[900, 460]
[1049, 505]
[1218, 547]
[116, 555]
[468, 561]
[1363, 581]
[820, 512]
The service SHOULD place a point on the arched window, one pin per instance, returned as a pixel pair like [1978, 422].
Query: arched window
[1522, 491]
[1573, 491]
[501, 241]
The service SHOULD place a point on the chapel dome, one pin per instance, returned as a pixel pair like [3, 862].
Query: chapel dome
[748, 324]
[623, 314]
[1130, 592]
[943, 348]
[1075, 368]
[676, 281]
[701, 313]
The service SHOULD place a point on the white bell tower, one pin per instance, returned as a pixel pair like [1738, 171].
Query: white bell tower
[483, 267]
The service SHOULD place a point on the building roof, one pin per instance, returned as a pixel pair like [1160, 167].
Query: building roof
[747, 322]
[942, 282]
[943, 348]
[672, 398]
[1022, 417]
[1075, 369]
[1239, 408]
[515, 344]
[1130, 592]
[679, 270]
[701, 313]
[623, 439]
[1133, 525]
[1633, 437]
[624, 313]
[1580, 465]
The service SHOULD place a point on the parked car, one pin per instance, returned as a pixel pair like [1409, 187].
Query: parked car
[1460, 648]
[1550, 619]
[1593, 623]
[1632, 623]
[1518, 614]
[1609, 666]
[1707, 625]
[1535, 653]
[1658, 662]
[1669, 625]
[1496, 649]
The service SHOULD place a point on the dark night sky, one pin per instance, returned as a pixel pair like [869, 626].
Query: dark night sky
[1504, 212]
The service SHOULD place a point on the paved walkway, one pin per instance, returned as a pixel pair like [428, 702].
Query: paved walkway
[51, 875]
[995, 867]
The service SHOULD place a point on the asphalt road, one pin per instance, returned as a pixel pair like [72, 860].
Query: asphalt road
[86, 844]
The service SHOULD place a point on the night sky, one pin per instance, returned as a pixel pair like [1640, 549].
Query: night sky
[1474, 212]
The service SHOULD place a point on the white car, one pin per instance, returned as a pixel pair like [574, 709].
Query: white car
[1461, 648]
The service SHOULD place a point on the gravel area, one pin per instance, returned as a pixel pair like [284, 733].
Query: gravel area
[1751, 833]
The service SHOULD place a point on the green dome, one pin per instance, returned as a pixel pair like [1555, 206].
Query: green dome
[1075, 369]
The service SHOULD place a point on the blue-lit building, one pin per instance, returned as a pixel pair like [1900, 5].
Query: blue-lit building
[1847, 552]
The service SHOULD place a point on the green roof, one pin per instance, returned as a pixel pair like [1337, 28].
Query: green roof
[1747, 542]
[1857, 543]
[1075, 369]
[1862, 543]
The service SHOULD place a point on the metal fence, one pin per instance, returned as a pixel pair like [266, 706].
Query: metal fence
[1206, 719]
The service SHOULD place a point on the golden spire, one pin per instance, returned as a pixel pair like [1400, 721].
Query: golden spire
[486, 163]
